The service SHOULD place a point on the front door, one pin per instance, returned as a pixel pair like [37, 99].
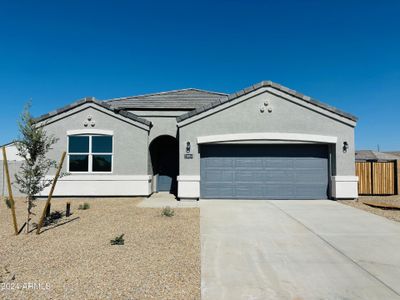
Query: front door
[165, 160]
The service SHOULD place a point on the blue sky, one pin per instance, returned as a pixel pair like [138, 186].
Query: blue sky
[345, 53]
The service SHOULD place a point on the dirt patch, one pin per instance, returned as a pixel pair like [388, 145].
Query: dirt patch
[73, 258]
[390, 213]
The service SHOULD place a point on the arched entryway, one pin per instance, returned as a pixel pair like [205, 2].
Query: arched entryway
[164, 153]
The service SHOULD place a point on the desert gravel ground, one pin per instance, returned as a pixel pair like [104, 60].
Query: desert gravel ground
[392, 214]
[160, 258]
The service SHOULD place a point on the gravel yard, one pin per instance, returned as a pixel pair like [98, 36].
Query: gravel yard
[393, 214]
[160, 258]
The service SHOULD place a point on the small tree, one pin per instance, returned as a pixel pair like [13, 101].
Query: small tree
[33, 145]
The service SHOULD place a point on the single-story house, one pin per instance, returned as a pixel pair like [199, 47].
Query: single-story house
[263, 142]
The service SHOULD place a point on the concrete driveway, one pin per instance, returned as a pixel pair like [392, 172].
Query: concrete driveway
[297, 250]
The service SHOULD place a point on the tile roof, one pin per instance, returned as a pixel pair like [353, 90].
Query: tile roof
[363, 155]
[393, 152]
[185, 99]
[100, 103]
[279, 87]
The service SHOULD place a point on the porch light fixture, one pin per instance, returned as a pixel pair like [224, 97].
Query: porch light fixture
[187, 147]
[345, 147]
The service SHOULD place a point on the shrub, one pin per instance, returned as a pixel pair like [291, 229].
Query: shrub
[118, 240]
[8, 202]
[53, 218]
[55, 215]
[167, 212]
[84, 206]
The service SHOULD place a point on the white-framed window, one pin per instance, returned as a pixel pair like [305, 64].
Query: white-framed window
[90, 153]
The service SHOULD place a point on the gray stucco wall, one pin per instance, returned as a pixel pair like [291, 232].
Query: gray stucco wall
[13, 168]
[286, 117]
[162, 126]
[163, 123]
[130, 141]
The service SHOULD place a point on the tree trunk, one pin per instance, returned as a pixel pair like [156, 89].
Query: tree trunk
[28, 217]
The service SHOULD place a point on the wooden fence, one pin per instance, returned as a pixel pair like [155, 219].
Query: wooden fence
[378, 178]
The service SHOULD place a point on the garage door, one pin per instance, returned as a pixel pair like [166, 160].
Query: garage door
[264, 171]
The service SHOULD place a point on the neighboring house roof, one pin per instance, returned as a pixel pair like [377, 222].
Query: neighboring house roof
[262, 84]
[364, 155]
[393, 152]
[185, 99]
[97, 102]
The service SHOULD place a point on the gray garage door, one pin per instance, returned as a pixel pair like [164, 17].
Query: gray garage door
[264, 171]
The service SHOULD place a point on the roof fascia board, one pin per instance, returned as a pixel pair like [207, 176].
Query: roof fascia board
[84, 106]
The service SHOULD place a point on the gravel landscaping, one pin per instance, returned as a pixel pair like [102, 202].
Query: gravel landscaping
[393, 214]
[73, 259]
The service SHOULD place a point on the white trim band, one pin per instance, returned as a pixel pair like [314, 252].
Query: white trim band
[188, 178]
[188, 186]
[276, 136]
[102, 185]
[344, 187]
[345, 178]
[90, 131]
[91, 177]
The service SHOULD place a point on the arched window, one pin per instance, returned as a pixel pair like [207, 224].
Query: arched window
[90, 153]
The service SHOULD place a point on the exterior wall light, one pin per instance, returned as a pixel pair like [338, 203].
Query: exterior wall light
[187, 147]
[345, 147]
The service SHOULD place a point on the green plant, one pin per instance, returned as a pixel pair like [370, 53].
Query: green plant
[118, 240]
[33, 146]
[167, 212]
[84, 206]
[8, 202]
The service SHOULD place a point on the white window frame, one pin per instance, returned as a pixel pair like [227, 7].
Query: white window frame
[90, 154]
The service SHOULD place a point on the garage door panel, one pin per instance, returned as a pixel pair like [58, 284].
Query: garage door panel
[219, 176]
[219, 163]
[245, 176]
[276, 175]
[309, 177]
[280, 163]
[249, 191]
[264, 171]
[309, 163]
[309, 191]
[259, 176]
[279, 191]
[246, 163]
[217, 191]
